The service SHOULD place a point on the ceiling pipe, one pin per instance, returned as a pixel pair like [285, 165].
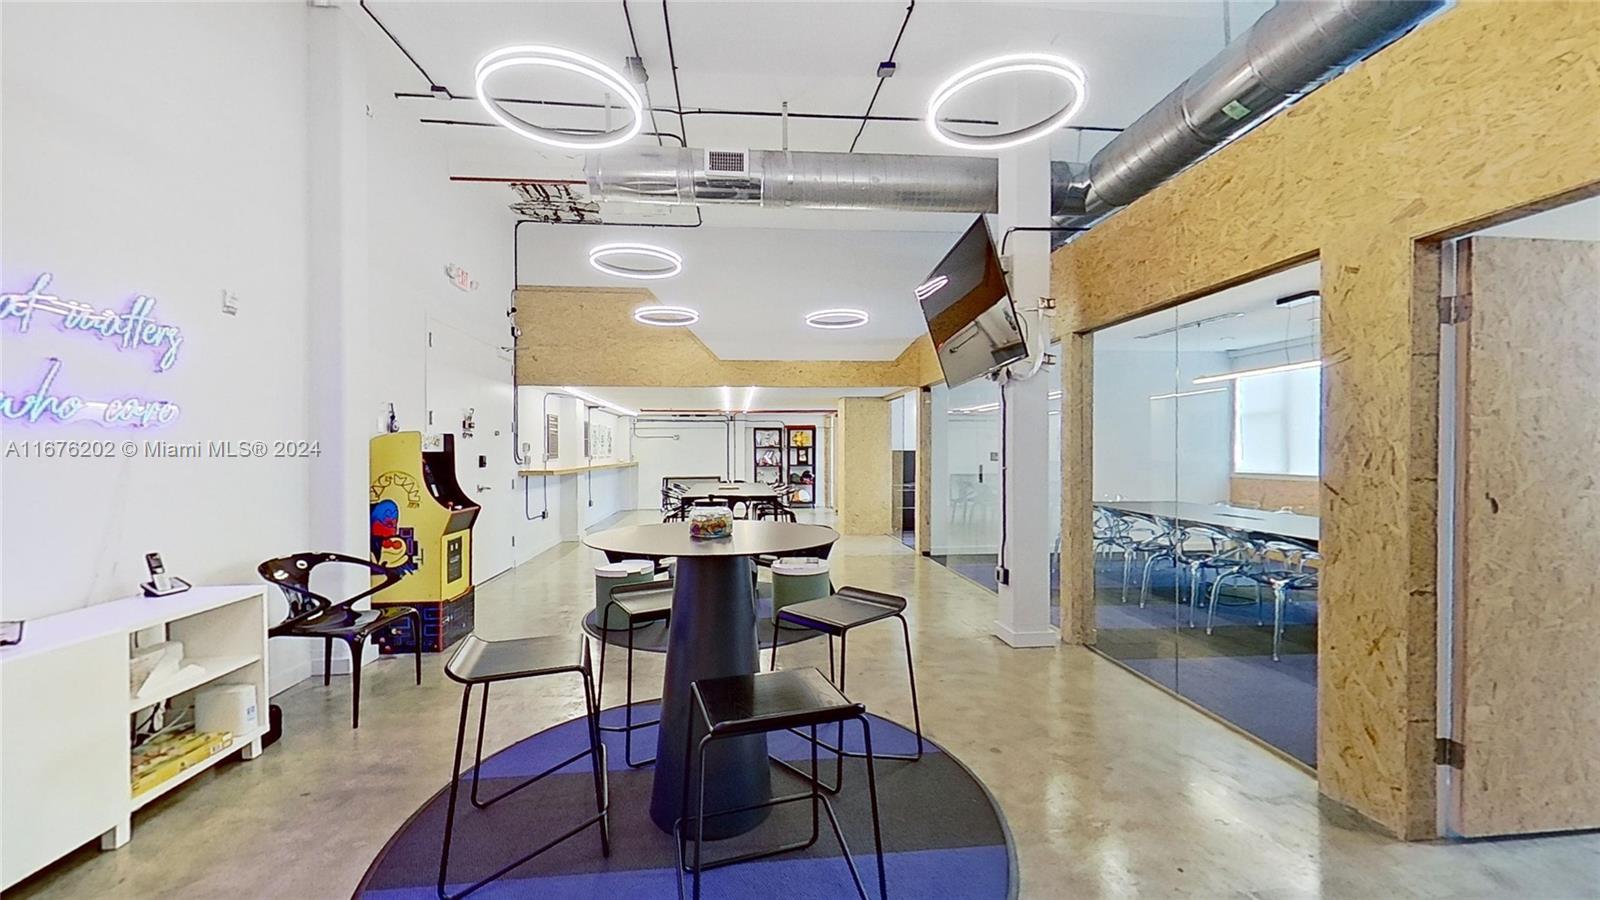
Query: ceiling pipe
[1292, 49]
[777, 178]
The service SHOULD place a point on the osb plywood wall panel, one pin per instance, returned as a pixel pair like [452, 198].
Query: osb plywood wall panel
[1077, 491]
[1530, 504]
[865, 467]
[1416, 141]
[924, 534]
[1265, 492]
[587, 336]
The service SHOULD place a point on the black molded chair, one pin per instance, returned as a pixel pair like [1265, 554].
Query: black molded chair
[639, 604]
[315, 616]
[758, 704]
[851, 607]
[481, 662]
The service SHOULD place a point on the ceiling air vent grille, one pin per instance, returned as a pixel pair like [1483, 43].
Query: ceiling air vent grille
[727, 162]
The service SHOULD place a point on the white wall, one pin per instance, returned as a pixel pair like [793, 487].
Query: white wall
[578, 502]
[678, 448]
[1160, 449]
[667, 446]
[157, 149]
[420, 222]
[192, 177]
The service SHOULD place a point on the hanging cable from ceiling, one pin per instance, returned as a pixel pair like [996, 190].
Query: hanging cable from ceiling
[882, 75]
[672, 59]
[643, 79]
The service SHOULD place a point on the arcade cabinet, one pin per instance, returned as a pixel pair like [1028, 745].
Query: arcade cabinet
[422, 520]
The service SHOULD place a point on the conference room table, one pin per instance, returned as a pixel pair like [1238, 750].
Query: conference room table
[713, 635]
[1259, 522]
[736, 492]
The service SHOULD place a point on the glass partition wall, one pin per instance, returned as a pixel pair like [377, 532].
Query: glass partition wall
[903, 464]
[1207, 435]
[965, 511]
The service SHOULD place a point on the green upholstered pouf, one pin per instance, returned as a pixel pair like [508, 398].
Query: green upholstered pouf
[610, 575]
[796, 579]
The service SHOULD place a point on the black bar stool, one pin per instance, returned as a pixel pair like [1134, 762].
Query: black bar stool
[478, 661]
[742, 705]
[834, 616]
[638, 604]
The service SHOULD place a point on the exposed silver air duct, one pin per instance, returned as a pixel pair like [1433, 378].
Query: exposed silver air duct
[1291, 49]
[678, 175]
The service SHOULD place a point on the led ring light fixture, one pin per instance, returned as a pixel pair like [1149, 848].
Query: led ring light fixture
[665, 316]
[600, 258]
[1044, 63]
[836, 318]
[557, 58]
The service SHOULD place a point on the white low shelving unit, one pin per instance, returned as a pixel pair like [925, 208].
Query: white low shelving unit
[66, 713]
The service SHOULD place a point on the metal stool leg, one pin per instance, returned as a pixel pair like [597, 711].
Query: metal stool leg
[697, 865]
[838, 749]
[477, 753]
[773, 665]
[872, 798]
[597, 758]
[628, 726]
[911, 675]
[455, 787]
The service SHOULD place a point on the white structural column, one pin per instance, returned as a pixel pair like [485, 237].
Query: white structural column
[341, 401]
[1023, 615]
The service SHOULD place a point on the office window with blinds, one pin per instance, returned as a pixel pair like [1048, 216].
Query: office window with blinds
[1277, 423]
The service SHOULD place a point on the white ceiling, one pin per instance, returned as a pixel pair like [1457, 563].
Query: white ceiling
[753, 286]
[1264, 323]
[753, 273]
[715, 399]
[819, 56]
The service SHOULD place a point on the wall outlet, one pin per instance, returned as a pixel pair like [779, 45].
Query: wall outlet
[230, 303]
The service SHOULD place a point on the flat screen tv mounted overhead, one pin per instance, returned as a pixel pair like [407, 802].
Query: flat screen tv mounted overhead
[971, 318]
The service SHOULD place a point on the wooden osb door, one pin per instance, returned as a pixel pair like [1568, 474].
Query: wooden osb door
[1527, 665]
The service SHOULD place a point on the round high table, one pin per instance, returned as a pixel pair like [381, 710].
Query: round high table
[712, 635]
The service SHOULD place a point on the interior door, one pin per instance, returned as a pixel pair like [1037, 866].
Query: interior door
[464, 374]
[1527, 672]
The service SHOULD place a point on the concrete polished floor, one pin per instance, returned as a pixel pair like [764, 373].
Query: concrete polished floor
[1111, 788]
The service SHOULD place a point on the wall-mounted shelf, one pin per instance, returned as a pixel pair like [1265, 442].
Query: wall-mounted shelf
[802, 465]
[767, 455]
[578, 470]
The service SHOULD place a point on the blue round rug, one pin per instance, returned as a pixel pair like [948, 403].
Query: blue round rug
[943, 834]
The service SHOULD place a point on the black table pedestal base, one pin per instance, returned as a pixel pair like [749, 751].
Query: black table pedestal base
[712, 635]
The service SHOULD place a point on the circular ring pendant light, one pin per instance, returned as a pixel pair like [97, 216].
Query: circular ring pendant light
[837, 318]
[665, 316]
[1044, 63]
[604, 258]
[566, 60]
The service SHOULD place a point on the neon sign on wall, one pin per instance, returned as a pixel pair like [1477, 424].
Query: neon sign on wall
[133, 329]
